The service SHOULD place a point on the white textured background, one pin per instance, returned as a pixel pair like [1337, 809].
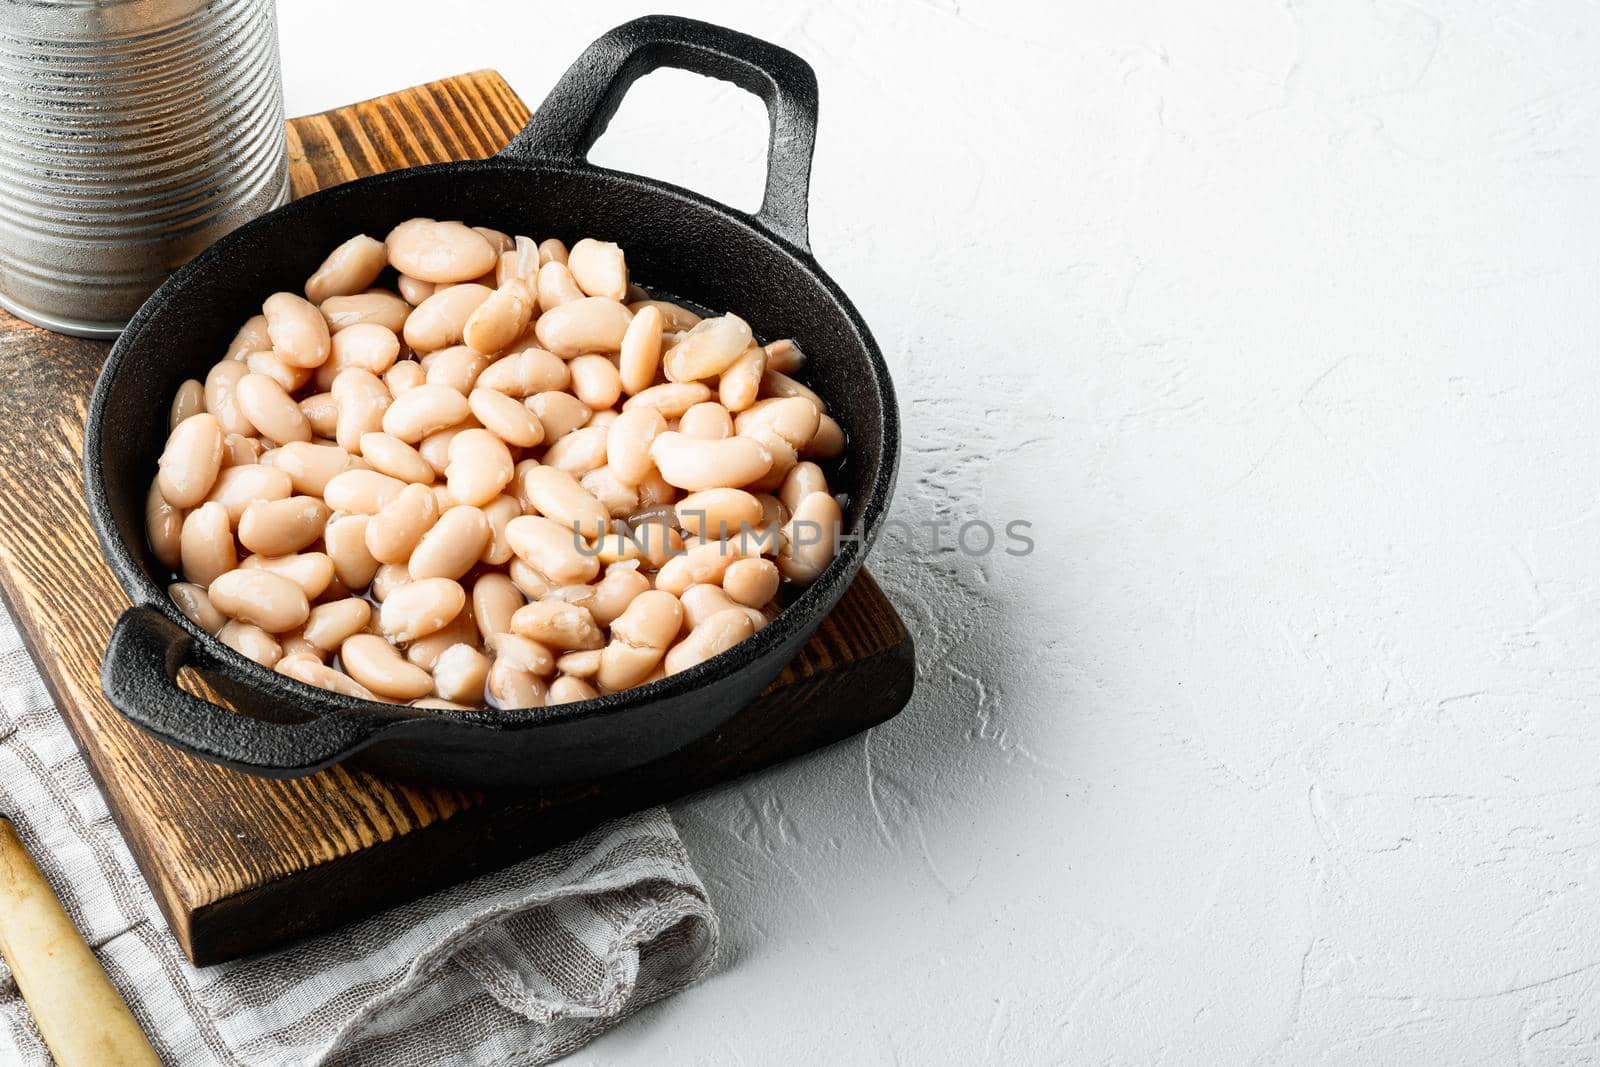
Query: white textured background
[1278, 320]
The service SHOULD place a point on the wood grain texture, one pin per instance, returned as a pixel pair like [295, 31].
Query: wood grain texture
[243, 864]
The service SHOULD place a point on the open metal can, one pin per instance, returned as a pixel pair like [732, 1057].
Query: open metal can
[133, 133]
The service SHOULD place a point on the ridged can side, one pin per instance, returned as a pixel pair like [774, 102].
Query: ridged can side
[133, 133]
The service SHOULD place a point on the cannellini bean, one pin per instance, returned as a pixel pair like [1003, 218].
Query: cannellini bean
[238, 450]
[593, 324]
[349, 269]
[310, 466]
[346, 541]
[499, 320]
[556, 287]
[584, 664]
[701, 601]
[404, 376]
[367, 345]
[258, 596]
[599, 268]
[580, 451]
[558, 496]
[506, 418]
[775, 383]
[389, 578]
[457, 367]
[498, 512]
[706, 351]
[524, 653]
[552, 549]
[425, 651]
[362, 492]
[556, 624]
[569, 690]
[500, 240]
[752, 582]
[709, 420]
[397, 528]
[439, 702]
[615, 592]
[270, 409]
[294, 643]
[480, 467]
[312, 671]
[711, 638]
[421, 607]
[785, 357]
[460, 674]
[189, 400]
[236, 488]
[810, 539]
[527, 578]
[703, 563]
[279, 527]
[434, 251]
[552, 250]
[794, 419]
[163, 527]
[507, 688]
[435, 448]
[329, 624]
[694, 463]
[495, 598]
[424, 410]
[441, 320]
[452, 547]
[196, 606]
[251, 642]
[524, 373]
[828, 442]
[595, 381]
[322, 412]
[673, 316]
[657, 542]
[298, 331]
[191, 461]
[378, 665]
[639, 639]
[269, 365]
[559, 413]
[374, 305]
[783, 458]
[670, 399]
[740, 384]
[641, 350]
[389, 455]
[222, 400]
[414, 290]
[617, 497]
[311, 571]
[718, 513]
[252, 337]
[802, 480]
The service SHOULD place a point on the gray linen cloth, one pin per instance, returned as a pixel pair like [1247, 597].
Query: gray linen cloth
[516, 967]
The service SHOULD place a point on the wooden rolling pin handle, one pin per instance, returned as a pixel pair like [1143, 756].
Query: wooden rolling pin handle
[79, 1013]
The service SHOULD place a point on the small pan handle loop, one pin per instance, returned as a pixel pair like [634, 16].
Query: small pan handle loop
[138, 675]
[583, 102]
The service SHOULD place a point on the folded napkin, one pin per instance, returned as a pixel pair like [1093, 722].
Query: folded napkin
[516, 967]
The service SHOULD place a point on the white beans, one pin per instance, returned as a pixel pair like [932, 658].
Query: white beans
[191, 460]
[439, 251]
[618, 481]
[268, 600]
[592, 324]
[420, 608]
[298, 331]
[348, 270]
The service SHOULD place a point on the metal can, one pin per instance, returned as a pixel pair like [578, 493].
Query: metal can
[133, 133]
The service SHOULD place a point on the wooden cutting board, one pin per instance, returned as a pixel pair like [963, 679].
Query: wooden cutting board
[242, 864]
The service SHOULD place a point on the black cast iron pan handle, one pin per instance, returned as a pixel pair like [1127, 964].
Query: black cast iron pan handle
[138, 674]
[579, 108]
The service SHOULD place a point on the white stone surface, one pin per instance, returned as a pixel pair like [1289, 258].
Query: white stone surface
[1278, 322]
